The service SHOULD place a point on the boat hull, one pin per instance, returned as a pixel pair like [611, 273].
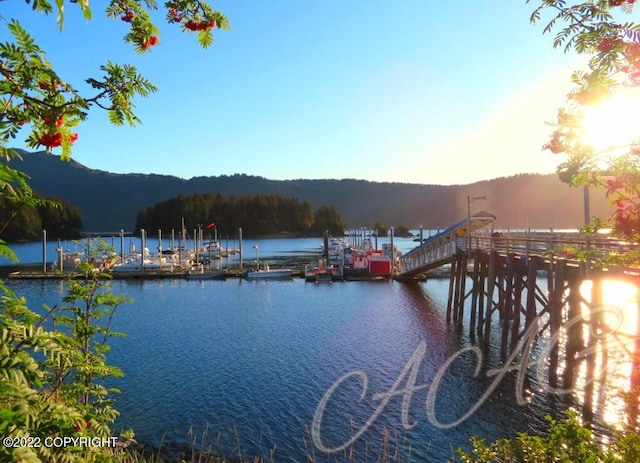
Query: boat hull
[269, 274]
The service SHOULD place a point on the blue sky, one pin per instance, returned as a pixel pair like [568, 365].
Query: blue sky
[413, 91]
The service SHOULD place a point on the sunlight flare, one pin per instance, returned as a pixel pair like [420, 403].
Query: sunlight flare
[614, 122]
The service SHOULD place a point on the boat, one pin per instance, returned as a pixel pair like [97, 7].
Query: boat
[205, 274]
[367, 265]
[267, 273]
[68, 261]
[322, 271]
[143, 265]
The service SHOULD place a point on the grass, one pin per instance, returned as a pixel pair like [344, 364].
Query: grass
[392, 448]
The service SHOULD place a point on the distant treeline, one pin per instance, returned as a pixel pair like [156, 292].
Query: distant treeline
[21, 222]
[256, 214]
[520, 201]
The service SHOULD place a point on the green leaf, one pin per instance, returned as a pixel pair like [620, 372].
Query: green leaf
[60, 18]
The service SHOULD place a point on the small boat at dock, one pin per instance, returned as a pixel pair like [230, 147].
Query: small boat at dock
[322, 271]
[267, 273]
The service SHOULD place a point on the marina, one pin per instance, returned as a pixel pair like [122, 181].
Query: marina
[236, 317]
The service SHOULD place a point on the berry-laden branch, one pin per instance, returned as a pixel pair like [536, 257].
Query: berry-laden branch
[613, 48]
[37, 100]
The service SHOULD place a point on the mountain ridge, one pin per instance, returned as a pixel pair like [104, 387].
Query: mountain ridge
[110, 201]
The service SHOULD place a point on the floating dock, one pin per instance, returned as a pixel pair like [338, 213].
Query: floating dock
[143, 275]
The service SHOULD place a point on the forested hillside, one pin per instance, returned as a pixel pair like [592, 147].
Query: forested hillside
[22, 223]
[110, 202]
[256, 214]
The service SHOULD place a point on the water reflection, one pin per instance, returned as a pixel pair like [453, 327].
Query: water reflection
[252, 361]
[609, 372]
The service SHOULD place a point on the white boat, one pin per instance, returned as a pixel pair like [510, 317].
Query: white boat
[143, 265]
[267, 273]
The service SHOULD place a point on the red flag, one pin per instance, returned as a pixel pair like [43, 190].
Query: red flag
[211, 225]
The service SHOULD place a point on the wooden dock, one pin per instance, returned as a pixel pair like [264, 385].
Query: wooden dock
[531, 284]
[147, 274]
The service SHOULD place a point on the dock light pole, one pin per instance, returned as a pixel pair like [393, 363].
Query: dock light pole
[143, 245]
[240, 249]
[470, 199]
[44, 251]
[257, 256]
[392, 231]
[121, 246]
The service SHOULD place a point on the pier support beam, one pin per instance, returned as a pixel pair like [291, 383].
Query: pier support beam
[476, 290]
[555, 317]
[491, 284]
[597, 300]
[507, 305]
[575, 341]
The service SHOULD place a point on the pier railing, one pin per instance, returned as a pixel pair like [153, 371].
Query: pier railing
[430, 255]
[567, 246]
[552, 244]
[442, 248]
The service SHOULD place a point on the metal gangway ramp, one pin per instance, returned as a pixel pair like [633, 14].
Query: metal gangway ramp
[441, 248]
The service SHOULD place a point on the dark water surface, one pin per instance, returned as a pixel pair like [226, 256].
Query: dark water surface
[248, 363]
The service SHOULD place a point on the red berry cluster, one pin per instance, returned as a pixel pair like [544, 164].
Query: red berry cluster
[57, 121]
[555, 146]
[620, 2]
[632, 68]
[175, 15]
[46, 85]
[627, 213]
[614, 184]
[127, 16]
[626, 224]
[148, 42]
[52, 140]
[16, 120]
[606, 45]
[200, 25]
[81, 426]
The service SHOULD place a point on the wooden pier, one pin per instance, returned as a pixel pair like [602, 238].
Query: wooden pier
[531, 284]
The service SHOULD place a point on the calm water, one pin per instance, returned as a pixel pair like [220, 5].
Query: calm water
[248, 363]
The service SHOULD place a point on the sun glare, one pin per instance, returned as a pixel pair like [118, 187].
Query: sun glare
[613, 123]
[614, 361]
[622, 300]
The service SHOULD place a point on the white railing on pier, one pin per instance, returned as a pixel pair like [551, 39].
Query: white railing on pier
[558, 245]
[431, 254]
[441, 248]
[580, 249]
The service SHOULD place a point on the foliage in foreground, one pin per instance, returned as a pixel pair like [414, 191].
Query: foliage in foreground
[52, 374]
[567, 440]
[595, 131]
